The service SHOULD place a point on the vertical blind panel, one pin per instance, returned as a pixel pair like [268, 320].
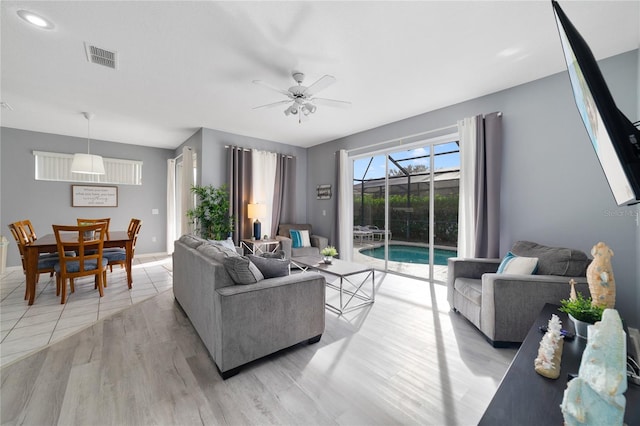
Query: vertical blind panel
[55, 166]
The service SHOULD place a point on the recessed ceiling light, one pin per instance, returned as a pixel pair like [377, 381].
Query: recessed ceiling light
[35, 19]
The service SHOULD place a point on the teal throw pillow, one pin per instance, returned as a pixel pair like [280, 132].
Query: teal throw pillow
[300, 238]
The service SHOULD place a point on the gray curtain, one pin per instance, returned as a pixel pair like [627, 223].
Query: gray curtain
[487, 188]
[239, 184]
[284, 194]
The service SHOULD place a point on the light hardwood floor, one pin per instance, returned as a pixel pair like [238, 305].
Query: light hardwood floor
[404, 360]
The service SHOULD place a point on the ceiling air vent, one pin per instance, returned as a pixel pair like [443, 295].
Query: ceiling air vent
[100, 56]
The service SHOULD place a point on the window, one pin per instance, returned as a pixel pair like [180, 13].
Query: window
[57, 167]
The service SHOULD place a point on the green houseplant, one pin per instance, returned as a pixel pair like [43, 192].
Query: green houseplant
[211, 215]
[582, 312]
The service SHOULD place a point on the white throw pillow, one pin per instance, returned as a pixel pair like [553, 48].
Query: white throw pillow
[512, 264]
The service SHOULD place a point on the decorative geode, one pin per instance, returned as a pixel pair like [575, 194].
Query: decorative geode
[596, 397]
[547, 363]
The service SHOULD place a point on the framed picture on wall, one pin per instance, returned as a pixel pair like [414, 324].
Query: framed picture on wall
[94, 196]
[323, 192]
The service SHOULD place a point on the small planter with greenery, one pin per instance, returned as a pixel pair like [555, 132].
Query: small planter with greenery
[582, 312]
[211, 215]
[329, 252]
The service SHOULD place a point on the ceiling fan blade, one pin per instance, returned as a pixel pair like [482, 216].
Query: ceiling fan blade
[324, 82]
[268, 86]
[275, 104]
[331, 102]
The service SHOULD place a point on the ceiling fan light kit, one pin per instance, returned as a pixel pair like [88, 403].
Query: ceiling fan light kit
[302, 97]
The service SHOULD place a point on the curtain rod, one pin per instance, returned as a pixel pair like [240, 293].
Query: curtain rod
[250, 149]
[450, 127]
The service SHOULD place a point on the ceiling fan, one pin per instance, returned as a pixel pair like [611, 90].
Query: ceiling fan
[302, 98]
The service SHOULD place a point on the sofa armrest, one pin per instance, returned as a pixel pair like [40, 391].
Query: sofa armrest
[259, 319]
[318, 241]
[511, 303]
[467, 268]
[285, 245]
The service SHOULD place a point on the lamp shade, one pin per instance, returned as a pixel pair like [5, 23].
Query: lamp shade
[88, 164]
[256, 211]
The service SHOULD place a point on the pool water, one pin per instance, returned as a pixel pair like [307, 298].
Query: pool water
[411, 254]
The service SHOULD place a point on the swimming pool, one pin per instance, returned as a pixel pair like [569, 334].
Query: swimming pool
[410, 254]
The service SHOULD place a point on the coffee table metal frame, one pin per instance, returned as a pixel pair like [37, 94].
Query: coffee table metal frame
[349, 286]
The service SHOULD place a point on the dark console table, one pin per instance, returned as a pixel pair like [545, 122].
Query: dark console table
[526, 398]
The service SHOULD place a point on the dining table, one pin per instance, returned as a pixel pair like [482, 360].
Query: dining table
[48, 244]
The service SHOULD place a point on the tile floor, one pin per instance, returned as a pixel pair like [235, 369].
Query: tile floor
[26, 329]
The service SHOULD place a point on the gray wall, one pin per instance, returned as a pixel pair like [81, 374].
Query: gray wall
[553, 188]
[46, 203]
[212, 160]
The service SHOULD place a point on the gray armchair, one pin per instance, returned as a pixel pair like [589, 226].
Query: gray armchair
[317, 242]
[503, 306]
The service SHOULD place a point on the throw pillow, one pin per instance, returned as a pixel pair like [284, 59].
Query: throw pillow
[270, 267]
[300, 238]
[512, 264]
[228, 243]
[241, 270]
[275, 255]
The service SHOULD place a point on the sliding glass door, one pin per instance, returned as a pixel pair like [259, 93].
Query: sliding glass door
[405, 209]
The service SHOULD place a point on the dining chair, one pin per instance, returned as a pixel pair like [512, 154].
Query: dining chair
[87, 241]
[46, 261]
[28, 228]
[118, 256]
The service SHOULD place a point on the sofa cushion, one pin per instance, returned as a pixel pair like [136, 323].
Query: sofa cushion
[191, 240]
[554, 260]
[270, 267]
[241, 270]
[216, 252]
[305, 251]
[470, 288]
[228, 243]
[279, 254]
[512, 264]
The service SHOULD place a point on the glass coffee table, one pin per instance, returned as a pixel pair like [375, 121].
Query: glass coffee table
[350, 282]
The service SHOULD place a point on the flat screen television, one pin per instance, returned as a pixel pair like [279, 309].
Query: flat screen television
[613, 136]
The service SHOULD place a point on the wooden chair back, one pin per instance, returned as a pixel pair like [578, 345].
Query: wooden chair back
[23, 233]
[106, 220]
[134, 230]
[21, 238]
[28, 230]
[87, 241]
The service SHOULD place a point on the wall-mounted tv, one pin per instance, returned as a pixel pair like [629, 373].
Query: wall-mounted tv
[615, 139]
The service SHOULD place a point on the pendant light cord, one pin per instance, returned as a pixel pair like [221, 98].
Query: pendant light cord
[88, 135]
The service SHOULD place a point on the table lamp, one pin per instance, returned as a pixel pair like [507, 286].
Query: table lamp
[256, 211]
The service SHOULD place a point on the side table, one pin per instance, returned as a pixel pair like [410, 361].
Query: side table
[259, 246]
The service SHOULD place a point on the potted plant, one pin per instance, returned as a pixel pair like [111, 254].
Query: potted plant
[582, 312]
[329, 252]
[211, 215]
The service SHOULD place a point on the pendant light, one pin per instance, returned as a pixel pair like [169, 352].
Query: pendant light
[87, 163]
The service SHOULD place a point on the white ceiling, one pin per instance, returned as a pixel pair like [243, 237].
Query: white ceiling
[185, 65]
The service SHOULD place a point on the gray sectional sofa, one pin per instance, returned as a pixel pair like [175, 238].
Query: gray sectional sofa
[504, 305]
[241, 323]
